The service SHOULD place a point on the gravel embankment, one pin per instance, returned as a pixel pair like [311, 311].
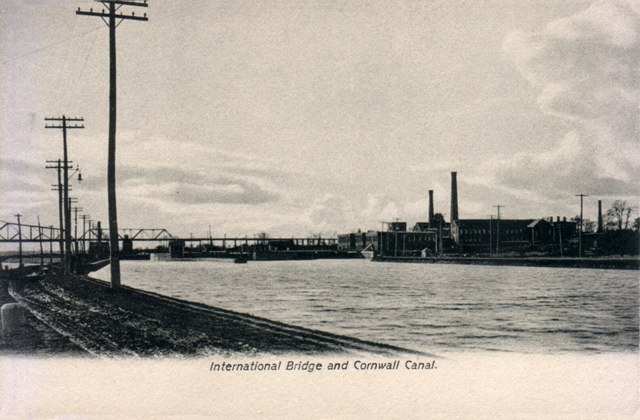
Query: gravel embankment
[131, 322]
[35, 338]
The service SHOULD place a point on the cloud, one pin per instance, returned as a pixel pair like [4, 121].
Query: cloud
[567, 169]
[222, 190]
[587, 70]
[187, 186]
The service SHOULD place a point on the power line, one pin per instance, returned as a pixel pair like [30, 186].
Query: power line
[53, 44]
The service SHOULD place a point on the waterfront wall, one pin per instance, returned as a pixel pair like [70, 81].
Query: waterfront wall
[602, 263]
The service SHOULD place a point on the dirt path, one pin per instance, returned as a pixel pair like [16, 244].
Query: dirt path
[35, 338]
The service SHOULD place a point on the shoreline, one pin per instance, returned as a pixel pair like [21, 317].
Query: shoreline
[568, 262]
[88, 317]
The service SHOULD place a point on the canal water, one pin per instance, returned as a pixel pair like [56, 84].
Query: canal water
[436, 308]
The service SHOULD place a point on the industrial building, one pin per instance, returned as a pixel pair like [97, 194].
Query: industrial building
[464, 236]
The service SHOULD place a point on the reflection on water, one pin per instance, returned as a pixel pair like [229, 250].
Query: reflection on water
[431, 307]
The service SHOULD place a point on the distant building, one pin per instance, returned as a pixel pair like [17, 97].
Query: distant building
[396, 241]
[407, 243]
[491, 235]
[356, 241]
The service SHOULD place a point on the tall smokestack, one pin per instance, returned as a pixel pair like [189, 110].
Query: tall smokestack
[600, 227]
[454, 197]
[431, 208]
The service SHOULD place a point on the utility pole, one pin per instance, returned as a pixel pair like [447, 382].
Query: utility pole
[58, 187]
[71, 259]
[498, 206]
[490, 234]
[109, 17]
[560, 237]
[51, 245]
[62, 124]
[75, 229]
[19, 241]
[40, 240]
[580, 224]
[85, 218]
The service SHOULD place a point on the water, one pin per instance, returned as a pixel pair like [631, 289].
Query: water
[431, 307]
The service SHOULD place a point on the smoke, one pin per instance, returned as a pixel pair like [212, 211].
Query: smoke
[587, 70]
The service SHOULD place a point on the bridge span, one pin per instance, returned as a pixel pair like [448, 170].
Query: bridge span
[15, 233]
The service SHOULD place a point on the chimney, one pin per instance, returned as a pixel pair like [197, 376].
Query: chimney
[600, 227]
[454, 197]
[431, 208]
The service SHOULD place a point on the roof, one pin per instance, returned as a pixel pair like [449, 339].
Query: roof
[535, 223]
[483, 223]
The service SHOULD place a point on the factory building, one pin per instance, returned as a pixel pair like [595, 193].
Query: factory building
[490, 236]
[395, 241]
[469, 236]
[356, 241]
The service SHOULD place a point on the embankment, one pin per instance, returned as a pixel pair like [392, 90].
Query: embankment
[602, 263]
[102, 321]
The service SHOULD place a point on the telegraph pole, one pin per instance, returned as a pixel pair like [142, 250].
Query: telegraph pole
[51, 245]
[62, 124]
[58, 187]
[498, 206]
[40, 237]
[109, 17]
[84, 218]
[75, 228]
[580, 224]
[490, 235]
[19, 240]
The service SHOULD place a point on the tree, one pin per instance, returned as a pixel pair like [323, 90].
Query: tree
[618, 215]
[636, 224]
[588, 226]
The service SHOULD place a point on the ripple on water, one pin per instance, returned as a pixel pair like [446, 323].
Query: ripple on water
[433, 307]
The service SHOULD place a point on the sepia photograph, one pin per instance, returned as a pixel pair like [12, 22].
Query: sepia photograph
[320, 209]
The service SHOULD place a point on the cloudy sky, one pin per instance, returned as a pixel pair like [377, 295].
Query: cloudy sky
[307, 116]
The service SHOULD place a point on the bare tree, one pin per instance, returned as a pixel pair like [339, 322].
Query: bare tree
[618, 215]
[636, 224]
[588, 226]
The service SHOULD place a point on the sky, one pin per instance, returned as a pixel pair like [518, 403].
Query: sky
[299, 117]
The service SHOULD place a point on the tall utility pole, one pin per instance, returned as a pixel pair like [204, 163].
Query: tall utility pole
[84, 218]
[51, 245]
[62, 123]
[40, 240]
[490, 234]
[19, 240]
[112, 20]
[582, 196]
[75, 228]
[58, 187]
[498, 206]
